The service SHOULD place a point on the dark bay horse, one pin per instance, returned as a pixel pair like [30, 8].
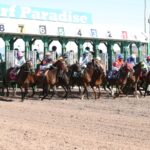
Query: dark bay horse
[74, 73]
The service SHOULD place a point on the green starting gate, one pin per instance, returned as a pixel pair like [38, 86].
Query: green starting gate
[9, 40]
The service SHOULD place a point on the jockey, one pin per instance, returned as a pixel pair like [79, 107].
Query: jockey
[131, 61]
[54, 53]
[84, 59]
[47, 62]
[118, 63]
[20, 59]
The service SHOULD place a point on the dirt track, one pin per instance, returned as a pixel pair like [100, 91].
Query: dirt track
[105, 124]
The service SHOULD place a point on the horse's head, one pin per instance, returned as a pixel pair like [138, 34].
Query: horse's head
[125, 70]
[61, 65]
[26, 67]
[75, 67]
[138, 68]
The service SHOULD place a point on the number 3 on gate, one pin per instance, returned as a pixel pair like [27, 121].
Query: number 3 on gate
[21, 28]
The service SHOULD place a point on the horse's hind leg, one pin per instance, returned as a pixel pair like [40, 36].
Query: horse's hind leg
[53, 92]
[146, 88]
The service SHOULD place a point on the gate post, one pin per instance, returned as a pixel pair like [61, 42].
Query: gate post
[110, 54]
[27, 47]
[139, 51]
[63, 43]
[7, 49]
[46, 45]
[95, 48]
[130, 47]
[148, 48]
[79, 43]
[125, 50]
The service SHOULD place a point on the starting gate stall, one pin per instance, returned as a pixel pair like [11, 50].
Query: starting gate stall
[104, 59]
[53, 55]
[71, 57]
[32, 55]
[11, 56]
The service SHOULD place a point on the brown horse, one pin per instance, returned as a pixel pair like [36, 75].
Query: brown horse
[98, 78]
[25, 78]
[120, 80]
[147, 81]
[56, 76]
[93, 76]
[9, 80]
[134, 79]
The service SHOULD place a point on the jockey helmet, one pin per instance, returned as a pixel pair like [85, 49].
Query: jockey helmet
[128, 59]
[132, 59]
[87, 48]
[54, 48]
[148, 58]
[120, 56]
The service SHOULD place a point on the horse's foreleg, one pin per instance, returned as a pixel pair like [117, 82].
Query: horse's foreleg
[94, 92]
[135, 92]
[99, 91]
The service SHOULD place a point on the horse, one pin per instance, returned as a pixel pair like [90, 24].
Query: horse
[134, 79]
[98, 77]
[74, 73]
[147, 82]
[9, 80]
[92, 76]
[119, 80]
[56, 76]
[25, 78]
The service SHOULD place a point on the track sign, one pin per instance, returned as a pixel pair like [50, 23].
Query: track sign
[42, 29]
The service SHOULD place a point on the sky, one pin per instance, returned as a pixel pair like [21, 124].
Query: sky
[128, 14]
[122, 13]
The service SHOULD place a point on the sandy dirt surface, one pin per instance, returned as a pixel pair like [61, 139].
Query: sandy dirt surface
[73, 124]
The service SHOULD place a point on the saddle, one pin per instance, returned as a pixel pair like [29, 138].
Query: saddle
[13, 74]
